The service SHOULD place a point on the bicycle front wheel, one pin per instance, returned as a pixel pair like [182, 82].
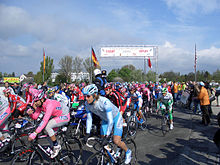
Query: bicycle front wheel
[132, 126]
[98, 158]
[164, 126]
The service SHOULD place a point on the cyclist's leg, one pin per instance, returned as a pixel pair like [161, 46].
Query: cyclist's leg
[53, 123]
[170, 116]
[118, 129]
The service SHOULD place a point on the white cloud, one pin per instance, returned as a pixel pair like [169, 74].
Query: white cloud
[187, 8]
[181, 60]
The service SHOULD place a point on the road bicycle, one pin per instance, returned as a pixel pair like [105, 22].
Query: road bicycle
[109, 153]
[36, 153]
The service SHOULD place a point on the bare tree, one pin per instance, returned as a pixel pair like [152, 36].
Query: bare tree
[77, 65]
[66, 67]
[89, 67]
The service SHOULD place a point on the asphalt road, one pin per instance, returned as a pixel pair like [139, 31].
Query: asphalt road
[188, 143]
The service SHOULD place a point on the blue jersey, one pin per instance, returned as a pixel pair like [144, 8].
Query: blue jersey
[104, 109]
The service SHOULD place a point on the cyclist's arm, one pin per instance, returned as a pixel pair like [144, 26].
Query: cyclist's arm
[14, 104]
[108, 109]
[35, 114]
[140, 101]
[110, 122]
[89, 122]
[45, 119]
[28, 98]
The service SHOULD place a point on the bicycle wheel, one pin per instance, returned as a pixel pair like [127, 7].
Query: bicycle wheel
[164, 125]
[28, 156]
[132, 126]
[98, 158]
[132, 146]
[94, 142]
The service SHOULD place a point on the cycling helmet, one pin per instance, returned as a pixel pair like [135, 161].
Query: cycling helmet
[108, 86]
[131, 88]
[97, 72]
[90, 89]
[39, 95]
[50, 90]
[6, 90]
[123, 90]
[142, 86]
[201, 83]
[25, 86]
[56, 88]
[164, 90]
[104, 72]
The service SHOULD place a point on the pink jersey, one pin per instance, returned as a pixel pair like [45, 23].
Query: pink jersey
[50, 108]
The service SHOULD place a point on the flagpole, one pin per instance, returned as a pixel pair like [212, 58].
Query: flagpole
[43, 64]
[195, 64]
[91, 67]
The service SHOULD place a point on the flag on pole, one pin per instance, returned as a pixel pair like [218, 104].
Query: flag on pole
[195, 62]
[149, 62]
[94, 59]
[44, 60]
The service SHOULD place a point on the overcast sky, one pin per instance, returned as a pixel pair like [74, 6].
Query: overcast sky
[72, 27]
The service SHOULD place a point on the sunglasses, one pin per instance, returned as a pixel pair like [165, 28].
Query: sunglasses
[88, 96]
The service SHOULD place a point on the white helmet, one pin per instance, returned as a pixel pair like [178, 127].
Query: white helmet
[90, 89]
[97, 71]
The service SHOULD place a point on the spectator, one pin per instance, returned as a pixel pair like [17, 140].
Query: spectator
[196, 100]
[99, 81]
[17, 89]
[204, 101]
[175, 91]
[217, 93]
[7, 86]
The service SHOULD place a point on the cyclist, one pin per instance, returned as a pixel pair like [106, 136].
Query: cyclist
[29, 92]
[56, 96]
[165, 102]
[145, 92]
[58, 93]
[109, 114]
[116, 98]
[5, 113]
[100, 81]
[51, 108]
[17, 102]
[136, 98]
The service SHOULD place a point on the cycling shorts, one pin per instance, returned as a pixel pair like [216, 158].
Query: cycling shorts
[117, 126]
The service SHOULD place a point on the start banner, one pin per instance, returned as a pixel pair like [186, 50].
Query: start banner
[127, 51]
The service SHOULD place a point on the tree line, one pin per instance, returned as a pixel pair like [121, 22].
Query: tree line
[127, 73]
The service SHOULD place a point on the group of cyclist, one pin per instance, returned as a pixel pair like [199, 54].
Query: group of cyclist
[108, 101]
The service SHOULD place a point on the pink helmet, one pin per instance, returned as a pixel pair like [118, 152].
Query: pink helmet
[142, 86]
[39, 95]
[6, 90]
